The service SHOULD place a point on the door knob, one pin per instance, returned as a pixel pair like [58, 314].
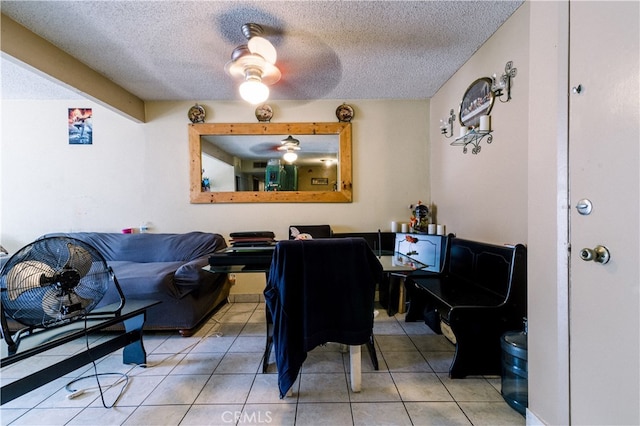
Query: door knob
[599, 254]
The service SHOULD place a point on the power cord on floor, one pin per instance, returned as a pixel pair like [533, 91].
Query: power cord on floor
[75, 393]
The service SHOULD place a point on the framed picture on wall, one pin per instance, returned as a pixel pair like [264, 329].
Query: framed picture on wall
[319, 181]
[476, 101]
[80, 126]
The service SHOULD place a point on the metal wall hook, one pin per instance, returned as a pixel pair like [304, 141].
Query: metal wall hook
[446, 125]
[503, 83]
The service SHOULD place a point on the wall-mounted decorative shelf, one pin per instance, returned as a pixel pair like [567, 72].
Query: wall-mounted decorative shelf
[475, 109]
[473, 137]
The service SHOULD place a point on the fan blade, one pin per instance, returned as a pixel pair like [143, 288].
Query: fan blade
[264, 148]
[62, 306]
[79, 259]
[264, 48]
[27, 275]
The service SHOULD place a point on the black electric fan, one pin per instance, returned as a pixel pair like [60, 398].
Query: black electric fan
[51, 282]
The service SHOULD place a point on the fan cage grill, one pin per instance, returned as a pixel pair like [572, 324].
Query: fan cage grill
[53, 280]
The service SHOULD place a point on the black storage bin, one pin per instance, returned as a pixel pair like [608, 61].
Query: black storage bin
[514, 370]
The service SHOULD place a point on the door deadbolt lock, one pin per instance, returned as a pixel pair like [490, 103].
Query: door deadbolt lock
[599, 254]
[584, 207]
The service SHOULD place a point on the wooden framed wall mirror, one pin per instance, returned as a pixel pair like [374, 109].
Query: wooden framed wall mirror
[242, 163]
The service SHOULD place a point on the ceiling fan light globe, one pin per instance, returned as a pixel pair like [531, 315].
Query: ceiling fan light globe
[290, 156]
[254, 91]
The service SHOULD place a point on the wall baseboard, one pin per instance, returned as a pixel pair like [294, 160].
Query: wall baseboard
[246, 298]
[532, 420]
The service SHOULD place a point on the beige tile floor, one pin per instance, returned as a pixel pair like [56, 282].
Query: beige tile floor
[214, 378]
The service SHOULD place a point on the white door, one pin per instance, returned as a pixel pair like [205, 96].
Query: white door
[604, 164]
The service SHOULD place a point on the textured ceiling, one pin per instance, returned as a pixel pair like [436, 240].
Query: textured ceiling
[172, 50]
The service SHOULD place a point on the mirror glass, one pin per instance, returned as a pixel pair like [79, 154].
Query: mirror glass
[244, 162]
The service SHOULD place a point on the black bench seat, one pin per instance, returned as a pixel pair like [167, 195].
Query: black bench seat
[479, 294]
[457, 295]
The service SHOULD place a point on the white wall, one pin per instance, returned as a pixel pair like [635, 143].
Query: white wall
[139, 172]
[49, 185]
[484, 196]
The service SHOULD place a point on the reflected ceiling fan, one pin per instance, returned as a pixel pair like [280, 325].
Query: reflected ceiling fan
[287, 147]
[254, 64]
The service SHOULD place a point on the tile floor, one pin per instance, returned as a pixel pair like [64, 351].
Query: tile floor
[214, 378]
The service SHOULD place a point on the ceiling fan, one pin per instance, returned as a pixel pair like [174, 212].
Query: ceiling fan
[254, 63]
[287, 147]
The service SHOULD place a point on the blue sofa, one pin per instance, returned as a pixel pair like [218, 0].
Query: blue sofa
[164, 267]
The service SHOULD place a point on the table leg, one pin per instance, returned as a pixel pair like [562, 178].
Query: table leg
[401, 297]
[383, 291]
[394, 295]
[371, 346]
[269, 342]
[134, 352]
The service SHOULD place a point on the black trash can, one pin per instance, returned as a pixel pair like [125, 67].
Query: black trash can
[514, 370]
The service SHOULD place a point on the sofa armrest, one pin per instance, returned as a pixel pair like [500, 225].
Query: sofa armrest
[191, 273]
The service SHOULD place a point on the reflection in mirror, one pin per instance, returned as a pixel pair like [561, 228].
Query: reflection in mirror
[259, 163]
[246, 162]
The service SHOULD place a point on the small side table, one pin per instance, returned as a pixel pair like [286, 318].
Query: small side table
[397, 266]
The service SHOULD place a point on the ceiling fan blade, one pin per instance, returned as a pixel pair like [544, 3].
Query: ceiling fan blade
[265, 148]
[26, 276]
[79, 259]
[264, 48]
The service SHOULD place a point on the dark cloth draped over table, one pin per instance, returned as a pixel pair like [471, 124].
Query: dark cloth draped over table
[319, 291]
